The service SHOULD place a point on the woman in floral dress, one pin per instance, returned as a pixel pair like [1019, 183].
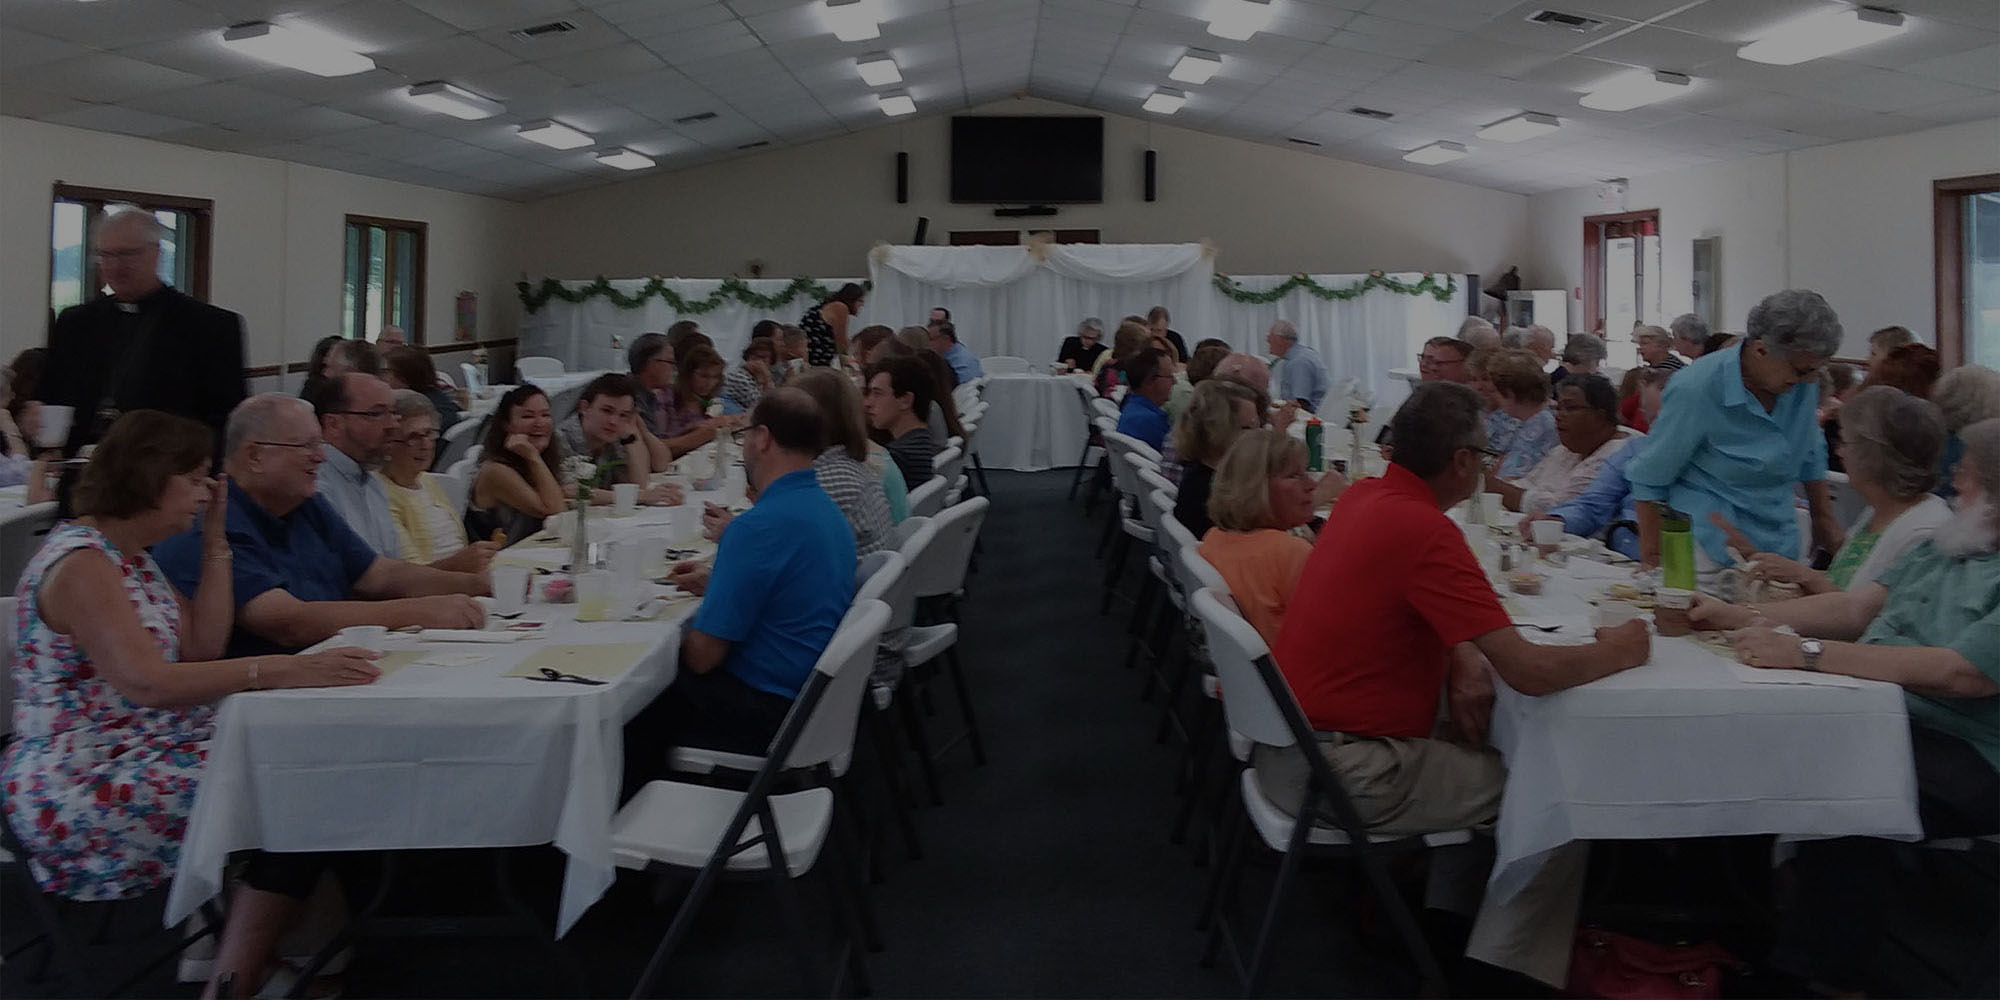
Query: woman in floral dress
[112, 719]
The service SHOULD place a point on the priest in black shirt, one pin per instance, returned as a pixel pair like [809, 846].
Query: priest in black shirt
[146, 345]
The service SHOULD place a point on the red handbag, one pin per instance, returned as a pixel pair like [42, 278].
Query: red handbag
[1610, 966]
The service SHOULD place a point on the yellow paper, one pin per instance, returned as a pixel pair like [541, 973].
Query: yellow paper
[603, 662]
[395, 660]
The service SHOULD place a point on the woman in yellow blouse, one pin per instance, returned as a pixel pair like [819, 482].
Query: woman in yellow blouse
[429, 526]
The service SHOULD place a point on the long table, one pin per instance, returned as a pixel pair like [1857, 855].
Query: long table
[446, 756]
[1690, 744]
[1032, 422]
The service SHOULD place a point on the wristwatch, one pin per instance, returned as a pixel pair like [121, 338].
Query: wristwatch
[1811, 648]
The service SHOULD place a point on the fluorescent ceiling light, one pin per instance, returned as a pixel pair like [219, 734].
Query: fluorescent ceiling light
[1238, 19]
[442, 97]
[878, 70]
[1521, 127]
[1632, 90]
[1436, 153]
[296, 48]
[554, 135]
[896, 103]
[624, 159]
[1166, 101]
[1824, 34]
[852, 20]
[1196, 67]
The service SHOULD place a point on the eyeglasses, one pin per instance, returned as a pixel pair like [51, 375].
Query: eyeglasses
[416, 438]
[378, 413]
[130, 253]
[306, 445]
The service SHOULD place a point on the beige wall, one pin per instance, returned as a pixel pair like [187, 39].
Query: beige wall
[277, 234]
[1850, 220]
[816, 209]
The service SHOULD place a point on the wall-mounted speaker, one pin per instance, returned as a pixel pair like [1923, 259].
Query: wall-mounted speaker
[1152, 163]
[902, 178]
[923, 230]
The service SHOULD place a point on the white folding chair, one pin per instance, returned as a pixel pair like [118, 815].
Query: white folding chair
[676, 827]
[473, 377]
[927, 500]
[1086, 460]
[937, 576]
[21, 533]
[1128, 455]
[537, 366]
[1004, 364]
[950, 463]
[456, 483]
[458, 439]
[1258, 703]
[1105, 408]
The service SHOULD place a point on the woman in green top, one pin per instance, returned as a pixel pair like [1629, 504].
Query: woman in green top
[1891, 442]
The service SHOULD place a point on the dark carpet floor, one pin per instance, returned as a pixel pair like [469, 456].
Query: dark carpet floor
[1047, 872]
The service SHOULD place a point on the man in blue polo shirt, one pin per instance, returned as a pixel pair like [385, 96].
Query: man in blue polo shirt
[782, 579]
[299, 573]
[1148, 383]
[944, 339]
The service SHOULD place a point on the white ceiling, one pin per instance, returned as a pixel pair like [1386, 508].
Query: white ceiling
[772, 73]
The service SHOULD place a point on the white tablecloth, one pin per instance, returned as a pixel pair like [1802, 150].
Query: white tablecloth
[1032, 422]
[1685, 747]
[429, 757]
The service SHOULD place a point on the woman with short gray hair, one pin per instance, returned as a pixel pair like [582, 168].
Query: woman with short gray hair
[1966, 395]
[1890, 441]
[1738, 433]
[1079, 353]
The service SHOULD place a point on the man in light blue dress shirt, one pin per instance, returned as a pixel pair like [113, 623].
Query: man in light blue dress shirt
[1739, 432]
[944, 340]
[1300, 377]
[356, 416]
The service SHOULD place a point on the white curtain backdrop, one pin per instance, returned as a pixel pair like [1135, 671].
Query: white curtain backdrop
[1008, 300]
[1023, 300]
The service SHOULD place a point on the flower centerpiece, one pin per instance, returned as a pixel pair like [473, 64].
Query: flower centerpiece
[587, 477]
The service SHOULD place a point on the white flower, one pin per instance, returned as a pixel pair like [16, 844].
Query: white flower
[576, 469]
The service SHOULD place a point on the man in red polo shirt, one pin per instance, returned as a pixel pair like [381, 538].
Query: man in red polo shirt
[1389, 604]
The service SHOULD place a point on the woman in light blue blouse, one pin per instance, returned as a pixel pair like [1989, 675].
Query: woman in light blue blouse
[1738, 432]
[1523, 417]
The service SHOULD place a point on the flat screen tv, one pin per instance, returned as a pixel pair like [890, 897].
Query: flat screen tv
[1027, 160]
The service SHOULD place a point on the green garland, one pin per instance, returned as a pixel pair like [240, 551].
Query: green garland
[1428, 285]
[534, 297]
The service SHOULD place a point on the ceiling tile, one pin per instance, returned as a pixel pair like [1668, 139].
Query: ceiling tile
[1742, 21]
[214, 102]
[444, 58]
[375, 25]
[111, 118]
[28, 49]
[474, 15]
[98, 77]
[1651, 47]
[1975, 68]
[22, 102]
[107, 25]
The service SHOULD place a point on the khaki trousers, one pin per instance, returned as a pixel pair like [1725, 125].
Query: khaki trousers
[1403, 787]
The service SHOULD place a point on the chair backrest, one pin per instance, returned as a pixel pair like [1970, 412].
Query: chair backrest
[1087, 398]
[927, 500]
[907, 529]
[876, 573]
[902, 598]
[827, 729]
[537, 366]
[458, 438]
[1104, 424]
[6, 666]
[965, 395]
[940, 568]
[457, 484]
[1105, 408]
[1149, 515]
[1195, 572]
[474, 379]
[948, 464]
[1234, 647]
[1004, 364]
[21, 534]
[1150, 477]
[1163, 523]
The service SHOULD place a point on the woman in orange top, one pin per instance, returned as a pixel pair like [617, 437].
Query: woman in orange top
[1261, 492]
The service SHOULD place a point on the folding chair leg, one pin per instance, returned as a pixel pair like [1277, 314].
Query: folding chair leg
[965, 706]
[1110, 526]
[980, 468]
[892, 779]
[845, 832]
[1406, 923]
[1218, 880]
[913, 725]
[1077, 480]
[1288, 873]
[1142, 607]
[1114, 568]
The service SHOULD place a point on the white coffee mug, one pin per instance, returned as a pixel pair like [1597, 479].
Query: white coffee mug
[1548, 532]
[1612, 614]
[624, 499]
[510, 589]
[54, 429]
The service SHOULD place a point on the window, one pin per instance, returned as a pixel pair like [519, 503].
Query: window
[72, 266]
[1967, 222]
[384, 283]
[1621, 272]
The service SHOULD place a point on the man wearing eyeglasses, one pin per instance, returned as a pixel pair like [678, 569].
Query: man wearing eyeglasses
[356, 416]
[1149, 380]
[144, 345]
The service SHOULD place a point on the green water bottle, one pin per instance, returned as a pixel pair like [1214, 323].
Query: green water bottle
[1315, 455]
[1676, 550]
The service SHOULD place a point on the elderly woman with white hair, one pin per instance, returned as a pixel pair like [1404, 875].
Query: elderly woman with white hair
[1890, 442]
[1966, 395]
[1738, 433]
[1582, 354]
[1080, 353]
[1931, 624]
[1656, 347]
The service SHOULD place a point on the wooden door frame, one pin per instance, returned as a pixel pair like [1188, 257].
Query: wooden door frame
[1948, 229]
[1593, 251]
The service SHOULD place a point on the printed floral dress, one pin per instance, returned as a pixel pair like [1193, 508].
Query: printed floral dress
[98, 789]
[820, 346]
